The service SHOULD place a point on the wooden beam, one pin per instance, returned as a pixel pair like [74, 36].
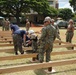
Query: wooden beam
[5, 32]
[57, 46]
[30, 48]
[66, 42]
[34, 55]
[36, 66]
[6, 41]
[12, 49]
[6, 38]
[57, 41]
[61, 46]
[9, 39]
[3, 45]
[7, 50]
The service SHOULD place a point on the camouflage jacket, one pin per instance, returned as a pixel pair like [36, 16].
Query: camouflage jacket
[48, 34]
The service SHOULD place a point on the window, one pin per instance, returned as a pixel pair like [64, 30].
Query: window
[51, 2]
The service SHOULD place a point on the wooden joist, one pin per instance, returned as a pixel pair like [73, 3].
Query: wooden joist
[28, 48]
[6, 41]
[12, 49]
[7, 50]
[34, 55]
[66, 45]
[9, 39]
[35, 66]
[57, 46]
[4, 45]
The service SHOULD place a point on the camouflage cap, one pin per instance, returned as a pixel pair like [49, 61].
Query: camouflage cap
[47, 19]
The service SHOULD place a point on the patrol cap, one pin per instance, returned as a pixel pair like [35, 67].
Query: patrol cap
[70, 20]
[31, 31]
[47, 19]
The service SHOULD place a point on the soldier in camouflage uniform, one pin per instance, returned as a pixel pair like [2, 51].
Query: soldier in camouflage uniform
[70, 31]
[57, 29]
[33, 38]
[3, 25]
[27, 24]
[7, 24]
[48, 35]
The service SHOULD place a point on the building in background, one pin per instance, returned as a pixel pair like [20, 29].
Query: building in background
[54, 3]
[34, 17]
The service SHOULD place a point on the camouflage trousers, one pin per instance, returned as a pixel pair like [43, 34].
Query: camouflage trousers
[6, 28]
[17, 41]
[45, 49]
[34, 46]
[3, 28]
[27, 28]
[69, 36]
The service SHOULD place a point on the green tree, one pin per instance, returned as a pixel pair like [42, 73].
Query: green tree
[17, 7]
[73, 4]
[65, 13]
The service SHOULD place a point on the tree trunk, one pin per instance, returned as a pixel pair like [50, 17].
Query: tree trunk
[18, 20]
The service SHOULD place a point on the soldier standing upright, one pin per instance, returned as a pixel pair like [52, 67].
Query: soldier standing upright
[48, 35]
[70, 31]
[57, 28]
[7, 24]
[3, 25]
[27, 24]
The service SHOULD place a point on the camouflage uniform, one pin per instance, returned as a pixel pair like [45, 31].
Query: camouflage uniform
[57, 32]
[46, 42]
[57, 28]
[34, 42]
[7, 23]
[69, 34]
[27, 26]
[17, 40]
[3, 25]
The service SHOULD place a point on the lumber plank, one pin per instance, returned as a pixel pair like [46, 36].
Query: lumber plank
[3, 45]
[6, 41]
[34, 55]
[36, 66]
[12, 49]
[57, 46]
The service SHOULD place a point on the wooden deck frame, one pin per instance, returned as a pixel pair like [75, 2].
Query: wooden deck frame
[58, 46]
[30, 48]
[34, 55]
[12, 49]
[9, 39]
[37, 66]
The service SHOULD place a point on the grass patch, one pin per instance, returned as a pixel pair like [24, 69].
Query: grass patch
[60, 70]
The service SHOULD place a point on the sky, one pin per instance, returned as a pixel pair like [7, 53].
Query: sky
[64, 4]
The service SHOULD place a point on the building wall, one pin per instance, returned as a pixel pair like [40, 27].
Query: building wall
[53, 3]
[34, 17]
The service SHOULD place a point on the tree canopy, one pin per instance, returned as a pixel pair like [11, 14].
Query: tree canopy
[17, 7]
[73, 4]
[65, 13]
